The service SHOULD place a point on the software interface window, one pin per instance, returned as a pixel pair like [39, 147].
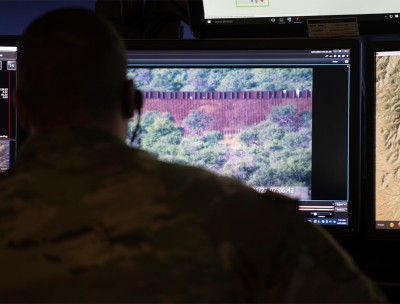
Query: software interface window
[295, 8]
[8, 56]
[250, 115]
[387, 120]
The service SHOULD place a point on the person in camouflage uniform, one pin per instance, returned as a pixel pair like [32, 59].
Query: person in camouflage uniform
[86, 218]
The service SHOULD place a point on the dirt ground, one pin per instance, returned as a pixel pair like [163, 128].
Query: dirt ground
[387, 152]
[4, 152]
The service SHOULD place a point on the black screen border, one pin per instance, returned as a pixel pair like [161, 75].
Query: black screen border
[292, 44]
[367, 25]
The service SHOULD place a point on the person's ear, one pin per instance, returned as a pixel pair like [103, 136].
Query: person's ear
[19, 104]
[131, 99]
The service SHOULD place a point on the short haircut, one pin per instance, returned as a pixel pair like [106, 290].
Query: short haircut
[71, 66]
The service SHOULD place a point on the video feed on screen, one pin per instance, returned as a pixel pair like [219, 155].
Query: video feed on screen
[252, 124]
[281, 116]
[4, 155]
[387, 151]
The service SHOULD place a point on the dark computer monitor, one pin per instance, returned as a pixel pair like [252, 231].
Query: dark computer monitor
[382, 173]
[8, 120]
[284, 18]
[279, 115]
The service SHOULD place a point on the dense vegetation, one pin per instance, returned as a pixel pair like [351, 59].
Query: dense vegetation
[221, 79]
[275, 152]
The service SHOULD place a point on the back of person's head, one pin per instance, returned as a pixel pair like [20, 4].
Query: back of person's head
[71, 68]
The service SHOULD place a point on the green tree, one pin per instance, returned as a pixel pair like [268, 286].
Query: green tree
[204, 151]
[159, 135]
[221, 79]
[236, 80]
[242, 164]
[142, 77]
[285, 117]
[276, 152]
[282, 79]
[196, 122]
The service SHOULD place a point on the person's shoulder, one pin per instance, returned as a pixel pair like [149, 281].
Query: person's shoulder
[191, 187]
[207, 183]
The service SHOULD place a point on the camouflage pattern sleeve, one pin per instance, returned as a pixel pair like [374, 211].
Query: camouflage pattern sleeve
[275, 255]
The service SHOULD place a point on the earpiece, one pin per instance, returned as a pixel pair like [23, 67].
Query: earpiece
[138, 108]
[128, 107]
[139, 100]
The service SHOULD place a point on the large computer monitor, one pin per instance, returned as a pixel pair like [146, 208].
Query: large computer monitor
[382, 173]
[8, 121]
[279, 115]
[291, 18]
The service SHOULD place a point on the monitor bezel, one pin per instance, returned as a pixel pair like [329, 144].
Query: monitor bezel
[369, 205]
[267, 30]
[275, 44]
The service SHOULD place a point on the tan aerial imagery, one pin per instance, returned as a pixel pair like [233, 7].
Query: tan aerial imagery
[388, 138]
